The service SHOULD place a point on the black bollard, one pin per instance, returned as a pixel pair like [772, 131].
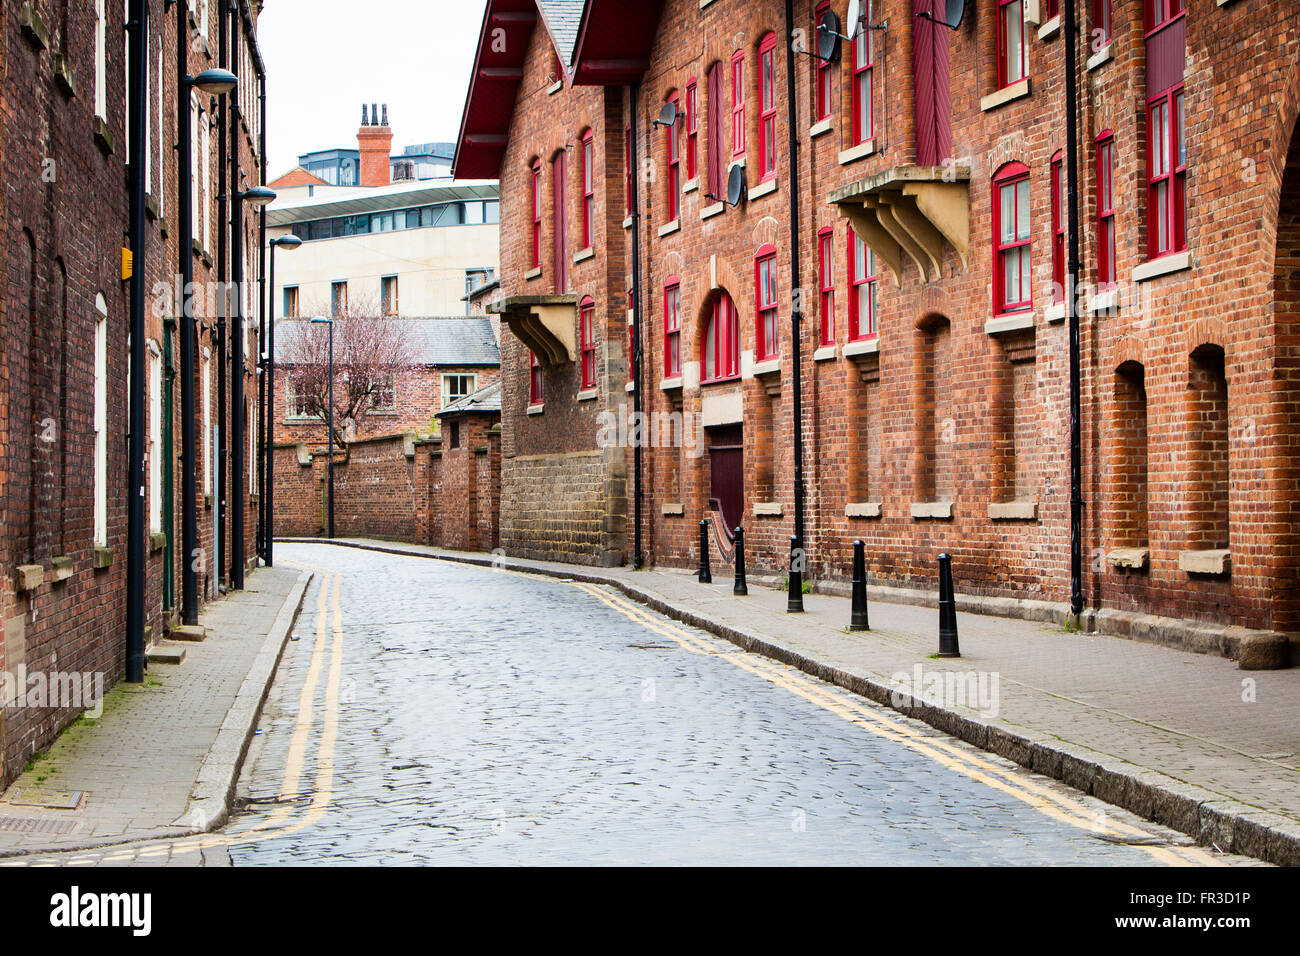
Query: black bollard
[740, 586]
[858, 620]
[706, 577]
[947, 610]
[794, 603]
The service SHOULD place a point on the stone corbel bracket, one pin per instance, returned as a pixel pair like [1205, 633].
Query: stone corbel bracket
[547, 324]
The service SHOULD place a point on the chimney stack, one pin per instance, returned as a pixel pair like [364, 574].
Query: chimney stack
[375, 143]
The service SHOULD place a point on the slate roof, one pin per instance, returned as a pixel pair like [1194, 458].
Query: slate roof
[486, 399]
[562, 19]
[449, 341]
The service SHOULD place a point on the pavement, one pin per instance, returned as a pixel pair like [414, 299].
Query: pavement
[163, 757]
[1182, 739]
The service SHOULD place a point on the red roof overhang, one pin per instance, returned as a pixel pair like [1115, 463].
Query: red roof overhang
[498, 69]
[614, 41]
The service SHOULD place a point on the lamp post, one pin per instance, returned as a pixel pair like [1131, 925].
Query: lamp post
[256, 196]
[329, 426]
[287, 243]
[214, 82]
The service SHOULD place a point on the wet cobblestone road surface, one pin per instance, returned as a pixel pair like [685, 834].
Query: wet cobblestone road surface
[435, 713]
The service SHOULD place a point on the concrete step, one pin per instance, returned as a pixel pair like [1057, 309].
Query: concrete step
[165, 652]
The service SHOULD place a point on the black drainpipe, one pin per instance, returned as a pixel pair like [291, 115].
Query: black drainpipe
[795, 602]
[185, 215]
[137, 39]
[223, 300]
[237, 494]
[1072, 314]
[637, 557]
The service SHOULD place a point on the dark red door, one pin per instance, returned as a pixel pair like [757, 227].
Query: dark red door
[727, 476]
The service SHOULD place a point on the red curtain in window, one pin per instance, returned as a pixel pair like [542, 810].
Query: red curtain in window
[713, 159]
[933, 97]
[559, 180]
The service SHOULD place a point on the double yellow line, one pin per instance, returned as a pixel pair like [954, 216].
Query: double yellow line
[1010, 781]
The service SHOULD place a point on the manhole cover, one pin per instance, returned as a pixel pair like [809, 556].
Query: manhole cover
[49, 799]
[36, 825]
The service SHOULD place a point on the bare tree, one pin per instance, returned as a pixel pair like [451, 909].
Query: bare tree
[370, 349]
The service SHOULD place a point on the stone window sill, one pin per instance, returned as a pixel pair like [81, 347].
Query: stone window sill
[708, 212]
[103, 558]
[587, 394]
[671, 384]
[769, 509]
[691, 185]
[583, 256]
[29, 577]
[536, 409]
[1055, 313]
[533, 274]
[1050, 29]
[1135, 559]
[1013, 511]
[669, 228]
[1010, 323]
[824, 354]
[61, 568]
[1100, 57]
[1104, 303]
[672, 509]
[853, 154]
[156, 541]
[770, 366]
[630, 387]
[862, 347]
[763, 189]
[862, 509]
[1215, 561]
[817, 129]
[1017, 90]
[628, 222]
[1162, 266]
[933, 510]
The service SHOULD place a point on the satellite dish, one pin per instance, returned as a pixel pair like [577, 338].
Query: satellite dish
[855, 19]
[667, 115]
[955, 11]
[828, 38]
[736, 185]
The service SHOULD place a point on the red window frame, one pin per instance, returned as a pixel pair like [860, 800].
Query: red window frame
[534, 380]
[826, 284]
[1058, 227]
[1101, 18]
[722, 335]
[536, 200]
[767, 108]
[1166, 174]
[1005, 77]
[588, 191]
[692, 130]
[1053, 9]
[862, 288]
[672, 327]
[1160, 13]
[713, 135]
[738, 103]
[765, 306]
[860, 93]
[674, 156]
[1106, 272]
[823, 75]
[587, 340]
[628, 172]
[1013, 177]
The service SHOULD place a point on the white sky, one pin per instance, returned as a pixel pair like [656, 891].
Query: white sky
[325, 57]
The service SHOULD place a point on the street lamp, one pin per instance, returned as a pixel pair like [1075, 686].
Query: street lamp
[329, 426]
[288, 244]
[214, 82]
[257, 196]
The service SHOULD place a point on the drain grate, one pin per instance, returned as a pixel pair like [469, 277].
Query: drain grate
[36, 825]
[48, 799]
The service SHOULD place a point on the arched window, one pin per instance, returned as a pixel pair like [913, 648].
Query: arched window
[672, 327]
[587, 337]
[720, 348]
[765, 299]
[767, 107]
[1011, 277]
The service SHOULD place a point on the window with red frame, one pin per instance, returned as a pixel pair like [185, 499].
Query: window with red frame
[1058, 228]
[826, 284]
[628, 169]
[534, 380]
[672, 328]
[767, 107]
[824, 75]
[860, 93]
[765, 297]
[1013, 50]
[720, 349]
[738, 103]
[1160, 12]
[862, 289]
[1166, 174]
[674, 155]
[1053, 9]
[588, 191]
[713, 134]
[692, 131]
[1106, 210]
[536, 199]
[1101, 20]
[1011, 276]
[587, 336]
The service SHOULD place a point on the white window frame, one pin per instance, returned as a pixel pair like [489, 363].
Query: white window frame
[101, 422]
[154, 452]
[101, 61]
[473, 386]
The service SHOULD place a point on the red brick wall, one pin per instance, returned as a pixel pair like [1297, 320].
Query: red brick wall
[980, 417]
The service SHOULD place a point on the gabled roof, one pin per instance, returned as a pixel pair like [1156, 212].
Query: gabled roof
[562, 18]
[615, 38]
[486, 400]
[297, 177]
[448, 342]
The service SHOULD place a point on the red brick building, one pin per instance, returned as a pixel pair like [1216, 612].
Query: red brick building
[65, 305]
[932, 243]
